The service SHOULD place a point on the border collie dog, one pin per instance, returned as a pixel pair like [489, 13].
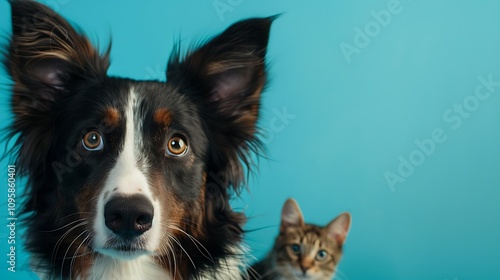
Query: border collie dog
[131, 179]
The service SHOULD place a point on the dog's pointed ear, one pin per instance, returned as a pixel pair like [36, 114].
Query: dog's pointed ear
[227, 74]
[45, 54]
[230, 68]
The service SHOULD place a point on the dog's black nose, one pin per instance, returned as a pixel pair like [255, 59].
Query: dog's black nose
[129, 216]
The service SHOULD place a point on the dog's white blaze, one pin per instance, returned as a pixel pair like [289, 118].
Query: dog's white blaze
[126, 178]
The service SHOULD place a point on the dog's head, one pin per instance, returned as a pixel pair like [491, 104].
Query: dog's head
[122, 167]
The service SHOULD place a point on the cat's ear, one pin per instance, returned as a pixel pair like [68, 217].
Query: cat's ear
[291, 216]
[339, 228]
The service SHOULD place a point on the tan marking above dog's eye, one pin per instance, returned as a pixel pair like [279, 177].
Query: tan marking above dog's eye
[111, 116]
[163, 117]
[92, 141]
[177, 146]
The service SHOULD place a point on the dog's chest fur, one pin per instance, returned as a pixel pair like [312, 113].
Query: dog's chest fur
[141, 268]
[145, 267]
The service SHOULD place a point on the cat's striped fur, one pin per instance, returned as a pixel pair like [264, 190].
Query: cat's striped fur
[304, 251]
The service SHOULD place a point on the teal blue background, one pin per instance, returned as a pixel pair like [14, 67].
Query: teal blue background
[351, 121]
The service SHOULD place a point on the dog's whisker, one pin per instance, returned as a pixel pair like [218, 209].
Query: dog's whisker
[252, 273]
[170, 250]
[76, 254]
[195, 242]
[195, 225]
[61, 239]
[67, 251]
[67, 225]
[72, 214]
[182, 248]
[96, 197]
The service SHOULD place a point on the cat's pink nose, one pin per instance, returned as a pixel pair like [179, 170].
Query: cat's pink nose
[305, 268]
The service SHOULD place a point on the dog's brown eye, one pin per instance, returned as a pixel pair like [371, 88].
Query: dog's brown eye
[92, 141]
[176, 146]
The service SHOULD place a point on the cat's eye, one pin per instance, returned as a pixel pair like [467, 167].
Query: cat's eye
[176, 146]
[295, 248]
[92, 141]
[321, 255]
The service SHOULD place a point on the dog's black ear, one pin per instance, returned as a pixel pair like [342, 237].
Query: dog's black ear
[228, 74]
[45, 54]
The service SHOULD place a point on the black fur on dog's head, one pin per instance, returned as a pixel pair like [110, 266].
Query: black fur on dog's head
[64, 103]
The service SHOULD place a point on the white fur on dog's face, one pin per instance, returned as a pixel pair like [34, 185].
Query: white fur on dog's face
[128, 178]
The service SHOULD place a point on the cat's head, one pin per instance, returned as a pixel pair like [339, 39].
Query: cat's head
[307, 251]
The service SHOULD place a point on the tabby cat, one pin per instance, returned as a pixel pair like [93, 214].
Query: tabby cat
[303, 251]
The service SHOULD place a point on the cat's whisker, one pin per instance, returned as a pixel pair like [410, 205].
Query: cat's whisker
[339, 275]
